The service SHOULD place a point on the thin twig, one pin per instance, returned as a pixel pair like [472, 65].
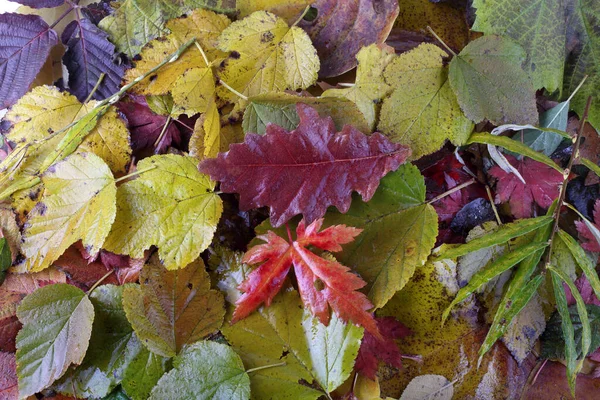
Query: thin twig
[489, 193]
[134, 173]
[99, 281]
[61, 17]
[454, 189]
[281, 364]
[232, 90]
[96, 86]
[441, 41]
[567, 172]
[163, 132]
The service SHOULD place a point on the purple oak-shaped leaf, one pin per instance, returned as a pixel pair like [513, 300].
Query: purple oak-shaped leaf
[40, 3]
[88, 55]
[25, 42]
[306, 170]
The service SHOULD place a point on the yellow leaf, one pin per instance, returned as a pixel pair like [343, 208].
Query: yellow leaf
[370, 87]
[290, 10]
[204, 25]
[206, 139]
[193, 90]
[422, 112]
[164, 105]
[78, 204]
[45, 110]
[266, 55]
[171, 206]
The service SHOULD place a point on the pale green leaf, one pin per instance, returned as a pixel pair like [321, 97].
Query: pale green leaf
[399, 232]
[538, 26]
[489, 82]
[544, 141]
[57, 325]
[205, 370]
[430, 112]
[78, 204]
[431, 387]
[171, 205]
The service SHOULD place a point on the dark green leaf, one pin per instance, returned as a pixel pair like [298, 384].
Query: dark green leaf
[5, 258]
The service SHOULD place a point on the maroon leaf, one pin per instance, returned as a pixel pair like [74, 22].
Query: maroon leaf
[80, 272]
[89, 54]
[590, 243]
[145, 127]
[386, 350]
[25, 42]
[585, 289]
[342, 28]
[40, 3]
[543, 184]
[306, 170]
[8, 377]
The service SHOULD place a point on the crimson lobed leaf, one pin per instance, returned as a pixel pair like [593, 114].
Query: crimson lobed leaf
[589, 240]
[386, 350]
[322, 282]
[25, 42]
[306, 170]
[543, 185]
[145, 128]
[88, 55]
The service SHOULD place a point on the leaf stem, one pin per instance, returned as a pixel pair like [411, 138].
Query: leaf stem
[489, 193]
[454, 189]
[96, 86]
[163, 132]
[301, 15]
[568, 100]
[61, 17]
[99, 281]
[281, 364]
[287, 227]
[441, 41]
[134, 173]
[202, 52]
[567, 172]
[232, 90]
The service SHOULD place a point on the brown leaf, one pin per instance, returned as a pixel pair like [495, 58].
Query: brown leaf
[341, 28]
[80, 272]
[551, 383]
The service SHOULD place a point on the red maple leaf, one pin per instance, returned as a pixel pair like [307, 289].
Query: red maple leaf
[589, 241]
[306, 170]
[543, 185]
[373, 350]
[322, 283]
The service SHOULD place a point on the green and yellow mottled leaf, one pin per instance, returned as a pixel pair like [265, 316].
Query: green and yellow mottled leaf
[206, 141]
[171, 206]
[78, 204]
[194, 90]
[422, 112]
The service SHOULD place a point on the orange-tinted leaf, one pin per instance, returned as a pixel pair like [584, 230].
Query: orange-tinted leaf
[589, 240]
[80, 272]
[322, 282]
[306, 170]
[373, 350]
[543, 184]
[341, 28]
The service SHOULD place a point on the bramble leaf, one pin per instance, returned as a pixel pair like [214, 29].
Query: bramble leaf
[57, 325]
[171, 206]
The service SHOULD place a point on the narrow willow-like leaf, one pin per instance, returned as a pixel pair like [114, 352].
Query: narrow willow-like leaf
[491, 271]
[567, 328]
[511, 308]
[518, 283]
[514, 146]
[587, 266]
[502, 235]
[586, 335]
[590, 165]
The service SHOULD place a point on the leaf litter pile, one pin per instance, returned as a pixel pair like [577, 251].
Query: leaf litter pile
[301, 199]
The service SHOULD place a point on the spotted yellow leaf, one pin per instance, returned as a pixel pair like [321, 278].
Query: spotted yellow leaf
[78, 204]
[194, 90]
[206, 139]
[170, 205]
[266, 55]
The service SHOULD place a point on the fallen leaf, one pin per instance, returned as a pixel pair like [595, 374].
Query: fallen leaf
[27, 40]
[316, 167]
[322, 282]
[341, 29]
[9, 389]
[80, 271]
[428, 387]
[543, 184]
[489, 83]
[279, 58]
[590, 243]
[166, 323]
[430, 112]
[180, 217]
[372, 350]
